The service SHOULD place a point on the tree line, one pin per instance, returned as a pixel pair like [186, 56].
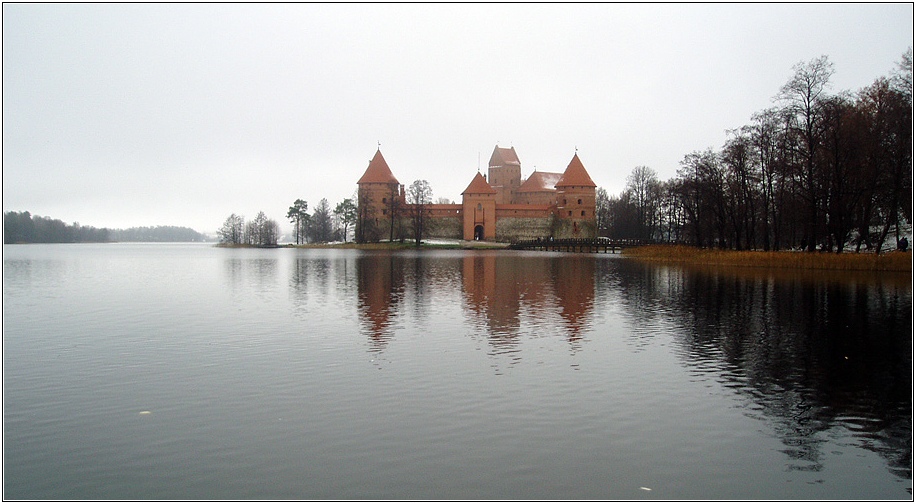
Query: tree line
[156, 234]
[23, 227]
[815, 171]
[322, 225]
[258, 232]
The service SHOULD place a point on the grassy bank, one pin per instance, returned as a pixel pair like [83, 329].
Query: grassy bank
[890, 261]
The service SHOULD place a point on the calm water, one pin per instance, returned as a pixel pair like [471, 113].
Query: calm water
[189, 372]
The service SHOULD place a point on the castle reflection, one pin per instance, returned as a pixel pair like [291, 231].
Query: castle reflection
[380, 284]
[500, 290]
[500, 295]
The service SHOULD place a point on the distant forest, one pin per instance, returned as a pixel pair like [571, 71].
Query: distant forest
[23, 227]
[156, 234]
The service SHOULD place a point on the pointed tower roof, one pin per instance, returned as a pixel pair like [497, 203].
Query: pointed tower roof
[504, 157]
[479, 186]
[575, 175]
[378, 172]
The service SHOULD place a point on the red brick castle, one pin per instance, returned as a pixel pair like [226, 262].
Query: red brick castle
[497, 207]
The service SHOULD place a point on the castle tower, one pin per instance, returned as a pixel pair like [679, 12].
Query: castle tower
[576, 201]
[504, 173]
[380, 195]
[479, 210]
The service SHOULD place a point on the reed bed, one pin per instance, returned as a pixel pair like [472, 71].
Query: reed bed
[889, 261]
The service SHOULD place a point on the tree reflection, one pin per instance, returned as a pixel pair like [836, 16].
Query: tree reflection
[810, 353]
[257, 273]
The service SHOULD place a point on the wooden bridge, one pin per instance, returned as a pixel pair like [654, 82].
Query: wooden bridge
[591, 245]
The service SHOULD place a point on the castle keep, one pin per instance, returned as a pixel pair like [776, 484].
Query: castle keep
[497, 207]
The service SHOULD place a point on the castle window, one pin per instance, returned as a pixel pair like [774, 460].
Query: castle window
[384, 212]
[583, 213]
[580, 202]
[479, 206]
[570, 213]
[384, 200]
[564, 201]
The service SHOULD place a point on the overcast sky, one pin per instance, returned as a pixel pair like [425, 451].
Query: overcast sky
[172, 114]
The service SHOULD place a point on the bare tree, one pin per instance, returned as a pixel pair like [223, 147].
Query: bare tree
[366, 225]
[671, 215]
[644, 191]
[763, 134]
[700, 187]
[261, 231]
[903, 76]
[394, 210]
[419, 197]
[233, 230]
[888, 114]
[816, 170]
[741, 188]
[804, 97]
[602, 211]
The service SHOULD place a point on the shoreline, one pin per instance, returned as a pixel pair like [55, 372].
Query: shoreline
[892, 261]
[406, 245]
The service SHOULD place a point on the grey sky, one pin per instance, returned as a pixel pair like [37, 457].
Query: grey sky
[173, 114]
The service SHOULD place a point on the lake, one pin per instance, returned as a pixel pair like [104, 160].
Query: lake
[186, 371]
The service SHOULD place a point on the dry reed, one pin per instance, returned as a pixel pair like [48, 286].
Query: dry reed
[890, 261]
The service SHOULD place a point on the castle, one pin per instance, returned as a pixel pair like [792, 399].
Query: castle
[497, 207]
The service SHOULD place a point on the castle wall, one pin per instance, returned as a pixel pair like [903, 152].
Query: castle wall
[522, 228]
[375, 229]
[445, 221]
[536, 211]
[565, 228]
[445, 227]
[439, 210]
